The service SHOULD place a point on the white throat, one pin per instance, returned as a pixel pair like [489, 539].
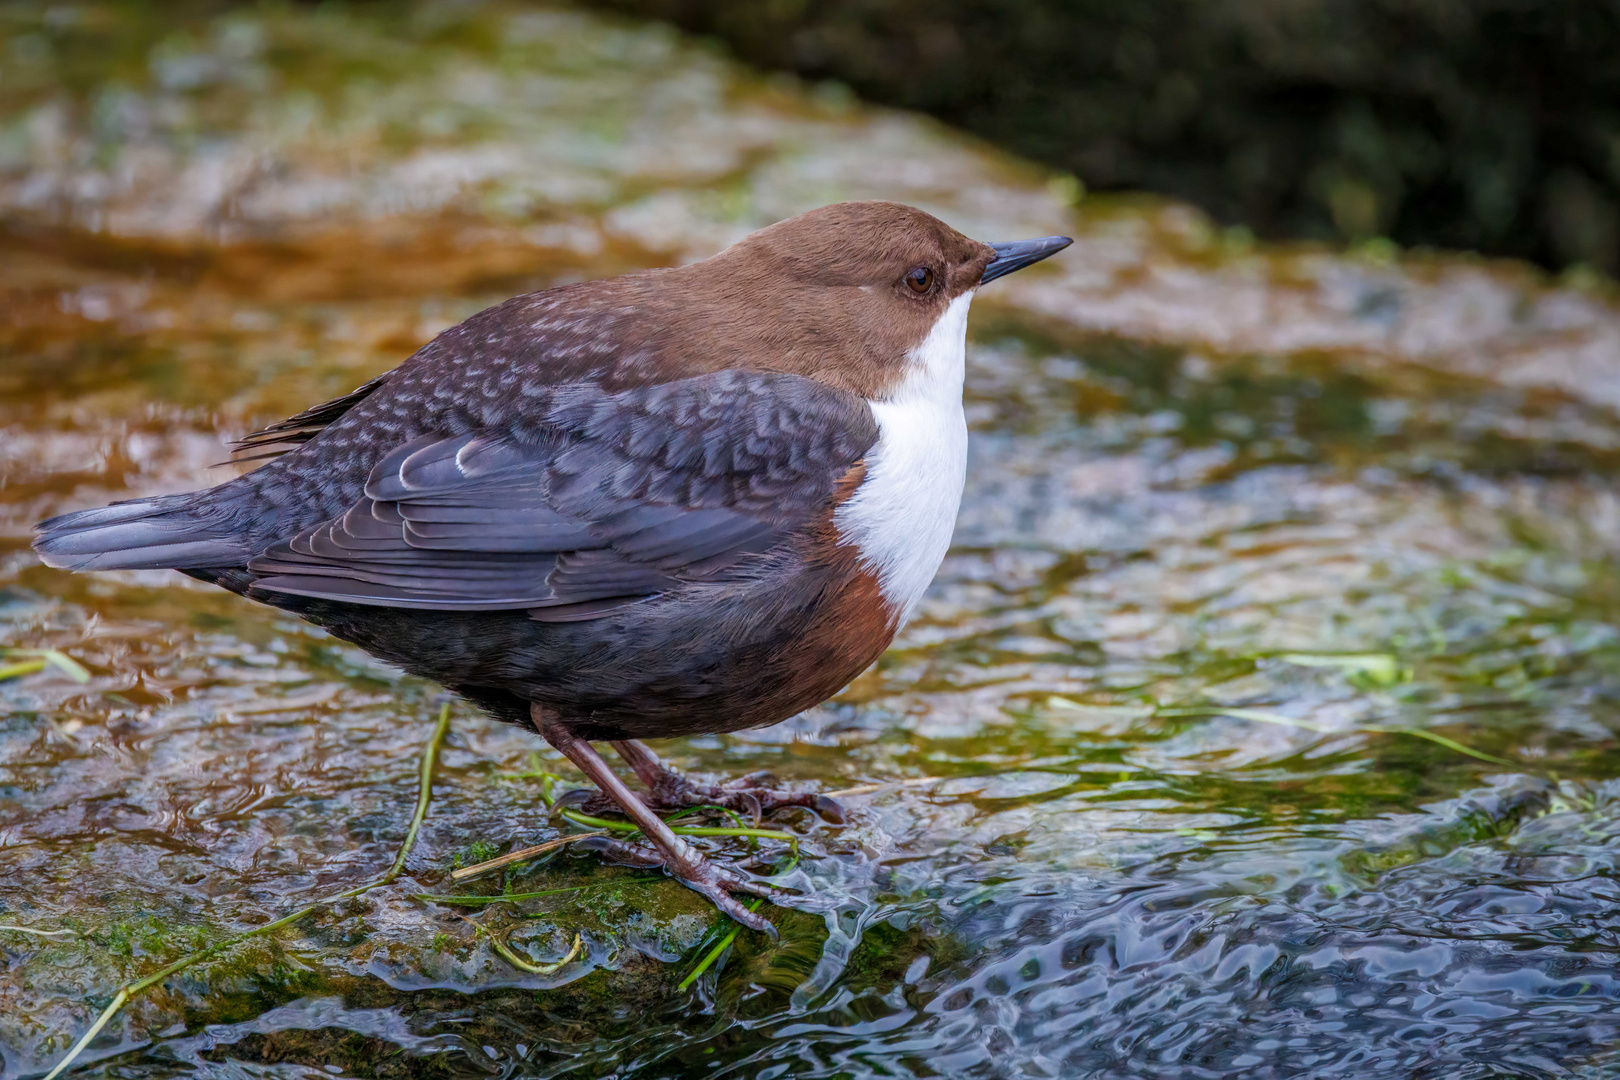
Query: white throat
[902, 516]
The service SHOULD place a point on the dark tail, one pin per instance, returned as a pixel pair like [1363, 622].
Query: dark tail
[170, 532]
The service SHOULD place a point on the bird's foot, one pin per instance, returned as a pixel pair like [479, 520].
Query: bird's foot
[745, 795]
[669, 790]
[665, 849]
[696, 873]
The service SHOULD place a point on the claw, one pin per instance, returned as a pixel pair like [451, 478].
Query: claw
[724, 901]
[585, 800]
[703, 878]
[750, 885]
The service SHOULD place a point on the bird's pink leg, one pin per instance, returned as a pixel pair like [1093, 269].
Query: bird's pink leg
[668, 850]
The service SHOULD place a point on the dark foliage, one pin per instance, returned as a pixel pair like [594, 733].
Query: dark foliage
[1484, 124]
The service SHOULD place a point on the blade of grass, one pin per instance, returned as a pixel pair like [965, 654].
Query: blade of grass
[1262, 716]
[430, 755]
[604, 824]
[1380, 669]
[505, 898]
[1258, 716]
[736, 818]
[52, 657]
[27, 667]
[727, 830]
[680, 830]
[521, 855]
[724, 943]
[66, 664]
[424, 794]
[868, 789]
[1449, 744]
[505, 952]
[38, 933]
[714, 954]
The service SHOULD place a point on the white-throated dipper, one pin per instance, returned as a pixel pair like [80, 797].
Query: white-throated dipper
[680, 501]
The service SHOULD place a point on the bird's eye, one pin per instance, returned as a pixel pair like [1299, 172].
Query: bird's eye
[920, 279]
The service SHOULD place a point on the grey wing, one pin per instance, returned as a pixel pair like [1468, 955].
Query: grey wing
[608, 498]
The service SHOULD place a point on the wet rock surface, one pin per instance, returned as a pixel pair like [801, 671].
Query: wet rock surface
[1261, 721]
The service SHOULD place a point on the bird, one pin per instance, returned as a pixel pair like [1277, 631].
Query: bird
[685, 500]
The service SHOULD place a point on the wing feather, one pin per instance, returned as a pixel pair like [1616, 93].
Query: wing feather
[615, 497]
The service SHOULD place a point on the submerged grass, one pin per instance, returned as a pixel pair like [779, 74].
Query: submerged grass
[504, 898]
[504, 951]
[605, 826]
[430, 755]
[709, 958]
[1263, 716]
[683, 830]
[715, 953]
[37, 932]
[600, 827]
[38, 660]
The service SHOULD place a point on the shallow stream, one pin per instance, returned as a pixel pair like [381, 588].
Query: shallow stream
[1261, 723]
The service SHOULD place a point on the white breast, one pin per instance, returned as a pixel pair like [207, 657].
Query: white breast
[902, 516]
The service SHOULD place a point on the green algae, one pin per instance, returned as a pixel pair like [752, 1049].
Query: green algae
[121, 938]
[476, 852]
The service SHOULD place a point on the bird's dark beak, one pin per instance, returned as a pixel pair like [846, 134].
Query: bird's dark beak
[1020, 253]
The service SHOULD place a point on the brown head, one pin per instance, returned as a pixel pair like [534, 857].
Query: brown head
[842, 294]
[845, 292]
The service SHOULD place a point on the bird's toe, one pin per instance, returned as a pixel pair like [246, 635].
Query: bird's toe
[624, 854]
[696, 873]
[729, 905]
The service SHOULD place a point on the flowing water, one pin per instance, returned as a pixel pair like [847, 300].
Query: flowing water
[1260, 723]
